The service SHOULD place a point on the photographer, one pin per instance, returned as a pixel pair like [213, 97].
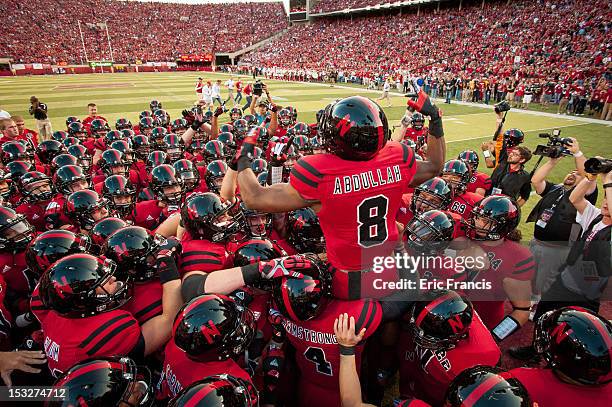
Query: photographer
[39, 111]
[259, 107]
[555, 217]
[505, 155]
[585, 275]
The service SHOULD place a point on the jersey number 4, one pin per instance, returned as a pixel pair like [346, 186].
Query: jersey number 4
[317, 356]
[372, 221]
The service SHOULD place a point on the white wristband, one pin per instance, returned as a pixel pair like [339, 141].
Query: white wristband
[578, 154]
[486, 154]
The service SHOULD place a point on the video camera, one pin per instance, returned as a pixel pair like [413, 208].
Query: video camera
[556, 146]
[502, 106]
[598, 165]
[258, 88]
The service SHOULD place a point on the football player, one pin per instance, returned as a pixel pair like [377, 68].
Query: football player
[457, 175]
[118, 382]
[15, 235]
[134, 250]
[508, 267]
[362, 171]
[576, 344]
[120, 194]
[208, 332]
[67, 180]
[480, 183]
[84, 209]
[77, 302]
[442, 337]
[36, 191]
[208, 227]
[168, 189]
[218, 390]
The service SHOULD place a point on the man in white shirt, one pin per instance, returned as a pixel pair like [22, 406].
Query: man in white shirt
[385, 94]
[207, 95]
[230, 84]
[216, 92]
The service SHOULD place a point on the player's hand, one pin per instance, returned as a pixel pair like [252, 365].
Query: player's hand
[245, 155]
[172, 246]
[198, 120]
[278, 154]
[344, 329]
[273, 107]
[219, 111]
[188, 115]
[19, 360]
[424, 105]
[289, 266]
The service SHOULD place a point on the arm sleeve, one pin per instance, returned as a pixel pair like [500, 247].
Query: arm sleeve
[305, 178]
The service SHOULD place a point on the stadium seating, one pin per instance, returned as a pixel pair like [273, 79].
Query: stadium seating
[324, 6]
[562, 39]
[47, 31]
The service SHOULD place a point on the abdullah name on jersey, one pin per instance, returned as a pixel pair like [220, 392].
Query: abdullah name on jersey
[317, 353]
[373, 188]
[426, 373]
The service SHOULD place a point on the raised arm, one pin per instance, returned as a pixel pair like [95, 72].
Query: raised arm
[436, 145]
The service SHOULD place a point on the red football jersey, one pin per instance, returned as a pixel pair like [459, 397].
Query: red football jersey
[71, 340]
[546, 389]
[359, 201]
[463, 204]
[179, 371]
[18, 277]
[150, 215]
[426, 374]
[508, 260]
[418, 136]
[479, 180]
[203, 255]
[6, 319]
[146, 301]
[317, 353]
[35, 214]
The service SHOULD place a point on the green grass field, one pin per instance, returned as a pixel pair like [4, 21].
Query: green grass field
[125, 95]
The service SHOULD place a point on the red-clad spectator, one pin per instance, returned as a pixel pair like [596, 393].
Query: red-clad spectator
[92, 115]
[25, 133]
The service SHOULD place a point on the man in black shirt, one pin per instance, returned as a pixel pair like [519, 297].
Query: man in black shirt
[555, 218]
[510, 177]
[39, 111]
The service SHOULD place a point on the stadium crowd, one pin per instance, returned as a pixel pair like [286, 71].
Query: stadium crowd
[550, 51]
[48, 31]
[217, 259]
[324, 6]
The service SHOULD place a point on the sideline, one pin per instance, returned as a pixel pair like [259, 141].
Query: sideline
[458, 102]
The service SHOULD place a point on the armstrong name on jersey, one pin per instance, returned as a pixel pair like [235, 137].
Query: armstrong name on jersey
[367, 180]
[309, 335]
